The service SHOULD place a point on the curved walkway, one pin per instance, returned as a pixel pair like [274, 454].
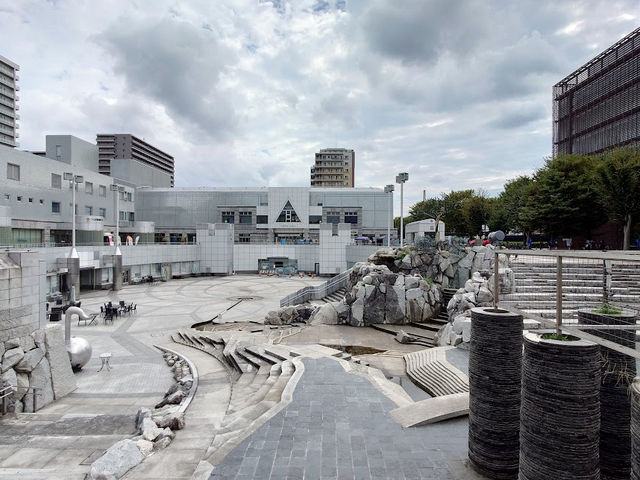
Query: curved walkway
[338, 426]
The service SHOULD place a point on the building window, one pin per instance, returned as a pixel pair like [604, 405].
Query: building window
[56, 181]
[333, 217]
[350, 217]
[262, 219]
[228, 217]
[19, 198]
[88, 188]
[288, 214]
[102, 191]
[132, 216]
[122, 215]
[13, 171]
[88, 210]
[245, 217]
[55, 207]
[42, 201]
[315, 219]
[58, 152]
[102, 212]
[244, 238]
[30, 199]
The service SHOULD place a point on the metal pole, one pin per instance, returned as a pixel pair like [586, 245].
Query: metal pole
[389, 220]
[559, 298]
[117, 239]
[496, 280]
[73, 216]
[401, 218]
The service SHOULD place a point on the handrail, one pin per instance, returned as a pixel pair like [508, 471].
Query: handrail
[316, 292]
[9, 390]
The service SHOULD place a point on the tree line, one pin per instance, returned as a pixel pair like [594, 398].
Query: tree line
[570, 195]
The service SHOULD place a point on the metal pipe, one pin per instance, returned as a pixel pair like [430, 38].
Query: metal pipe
[559, 298]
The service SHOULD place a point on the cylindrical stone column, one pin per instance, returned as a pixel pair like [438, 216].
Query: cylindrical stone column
[117, 272]
[635, 430]
[618, 371]
[495, 359]
[560, 416]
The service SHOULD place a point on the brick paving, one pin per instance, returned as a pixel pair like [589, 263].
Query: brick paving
[338, 427]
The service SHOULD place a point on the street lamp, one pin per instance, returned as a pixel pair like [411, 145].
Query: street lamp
[389, 189]
[401, 178]
[117, 189]
[74, 180]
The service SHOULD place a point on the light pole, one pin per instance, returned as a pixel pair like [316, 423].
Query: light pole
[117, 191]
[401, 178]
[74, 180]
[389, 189]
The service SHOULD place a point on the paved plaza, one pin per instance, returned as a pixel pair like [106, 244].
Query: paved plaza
[337, 425]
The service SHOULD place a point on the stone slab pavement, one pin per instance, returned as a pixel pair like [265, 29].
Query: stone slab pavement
[338, 427]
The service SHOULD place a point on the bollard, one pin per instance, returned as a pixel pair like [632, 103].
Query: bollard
[560, 415]
[495, 359]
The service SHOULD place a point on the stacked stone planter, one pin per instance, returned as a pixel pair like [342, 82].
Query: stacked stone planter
[495, 360]
[635, 430]
[618, 371]
[560, 416]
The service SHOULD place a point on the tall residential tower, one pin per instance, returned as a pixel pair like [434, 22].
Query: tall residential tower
[334, 167]
[124, 146]
[8, 102]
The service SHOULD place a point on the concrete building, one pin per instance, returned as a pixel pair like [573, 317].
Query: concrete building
[422, 228]
[123, 154]
[198, 231]
[267, 214]
[597, 107]
[9, 102]
[334, 167]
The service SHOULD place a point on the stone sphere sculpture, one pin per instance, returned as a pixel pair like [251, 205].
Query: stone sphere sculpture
[79, 351]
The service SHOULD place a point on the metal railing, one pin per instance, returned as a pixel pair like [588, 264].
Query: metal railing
[316, 292]
[8, 391]
[555, 287]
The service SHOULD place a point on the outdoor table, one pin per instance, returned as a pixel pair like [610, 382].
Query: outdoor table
[105, 357]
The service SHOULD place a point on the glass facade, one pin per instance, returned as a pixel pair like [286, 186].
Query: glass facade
[597, 107]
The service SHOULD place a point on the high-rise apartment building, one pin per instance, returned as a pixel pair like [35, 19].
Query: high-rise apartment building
[124, 146]
[334, 167]
[597, 107]
[8, 102]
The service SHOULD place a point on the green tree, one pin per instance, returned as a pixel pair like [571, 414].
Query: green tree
[430, 208]
[563, 199]
[506, 212]
[618, 183]
[476, 212]
[453, 218]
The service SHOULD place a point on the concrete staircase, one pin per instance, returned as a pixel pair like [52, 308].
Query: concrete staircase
[259, 374]
[582, 287]
[335, 296]
[430, 370]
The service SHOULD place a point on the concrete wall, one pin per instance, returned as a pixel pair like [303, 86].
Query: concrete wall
[333, 242]
[359, 253]
[21, 304]
[246, 256]
[139, 174]
[215, 247]
[73, 151]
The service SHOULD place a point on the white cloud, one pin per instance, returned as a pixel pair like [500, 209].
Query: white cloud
[243, 92]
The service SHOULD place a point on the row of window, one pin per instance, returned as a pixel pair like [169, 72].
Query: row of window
[332, 217]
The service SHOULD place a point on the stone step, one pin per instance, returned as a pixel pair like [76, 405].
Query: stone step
[432, 410]
[262, 353]
[430, 370]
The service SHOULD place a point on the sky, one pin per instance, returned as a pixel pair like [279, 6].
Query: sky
[243, 92]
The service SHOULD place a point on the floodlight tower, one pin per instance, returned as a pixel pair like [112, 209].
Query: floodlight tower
[401, 178]
[389, 190]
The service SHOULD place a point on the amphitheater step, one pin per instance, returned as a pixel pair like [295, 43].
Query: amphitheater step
[432, 410]
[430, 370]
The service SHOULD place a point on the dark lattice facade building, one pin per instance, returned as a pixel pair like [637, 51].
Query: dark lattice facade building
[597, 107]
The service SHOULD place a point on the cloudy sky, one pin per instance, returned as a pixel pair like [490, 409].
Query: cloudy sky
[242, 92]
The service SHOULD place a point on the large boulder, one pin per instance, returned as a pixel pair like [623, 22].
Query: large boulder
[30, 360]
[40, 380]
[62, 377]
[325, 315]
[117, 460]
[11, 358]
